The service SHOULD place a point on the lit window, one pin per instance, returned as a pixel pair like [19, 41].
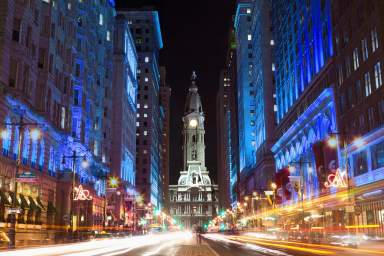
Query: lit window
[364, 48]
[137, 115]
[62, 121]
[146, 79]
[146, 59]
[356, 59]
[249, 37]
[144, 151]
[108, 35]
[378, 79]
[375, 41]
[145, 115]
[138, 105]
[47, 1]
[145, 105]
[272, 42]
[273, 67]
[101, 19]
[137, 124]
[275, 108]
[248, 11]
[145, 133]
[69, 6]
[368, 88]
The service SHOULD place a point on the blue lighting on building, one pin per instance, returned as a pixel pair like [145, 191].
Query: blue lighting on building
[310, 47]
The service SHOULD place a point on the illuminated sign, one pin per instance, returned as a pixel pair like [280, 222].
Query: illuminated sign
[81, 194]
[336, 180]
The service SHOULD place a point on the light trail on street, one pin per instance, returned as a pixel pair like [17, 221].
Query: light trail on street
[105, 247]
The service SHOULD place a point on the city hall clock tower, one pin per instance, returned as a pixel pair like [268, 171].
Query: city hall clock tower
[193, 200]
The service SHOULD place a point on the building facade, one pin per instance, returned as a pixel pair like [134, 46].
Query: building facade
[121, 196]
[256, 92]
[145, 29]
[358, 45]
[165, 97]
[226, 123]
[193, 201]
[56, 80]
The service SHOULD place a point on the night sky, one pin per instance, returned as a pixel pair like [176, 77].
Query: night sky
[195, 36]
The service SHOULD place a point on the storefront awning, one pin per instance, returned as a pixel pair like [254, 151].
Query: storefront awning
[24, 203]
[4, 199]
[12, 195]
[38, 200]
[34, 206]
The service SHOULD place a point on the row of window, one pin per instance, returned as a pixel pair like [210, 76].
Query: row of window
[361, 164]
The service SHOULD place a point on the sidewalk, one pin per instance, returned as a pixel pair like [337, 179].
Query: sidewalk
[191, 248]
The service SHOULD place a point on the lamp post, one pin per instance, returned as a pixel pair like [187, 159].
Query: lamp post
[301, 184]
[35, 135]
[333, 141]
[85, 164]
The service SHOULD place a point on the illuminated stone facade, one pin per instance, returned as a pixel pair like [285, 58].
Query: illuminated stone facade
[193, 201]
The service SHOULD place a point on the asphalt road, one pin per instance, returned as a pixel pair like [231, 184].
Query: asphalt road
[183, 244]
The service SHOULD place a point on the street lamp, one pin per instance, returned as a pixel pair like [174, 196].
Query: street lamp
[5, 135]
[334, 142]
[84, 164]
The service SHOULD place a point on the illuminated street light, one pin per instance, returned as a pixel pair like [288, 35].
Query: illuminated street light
[4, 134]
[273, 185]
[35, 134]
[246, 198]
[332, 142]
[84, 163]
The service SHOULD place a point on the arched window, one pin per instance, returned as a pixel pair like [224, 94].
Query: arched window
[26, 145]
[7, 140]
[34, 153]
[51, 163]
[41, 155]
[194, 155]
[16, 143]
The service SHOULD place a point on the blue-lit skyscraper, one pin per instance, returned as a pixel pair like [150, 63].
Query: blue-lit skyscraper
[255, 94]
[123, 157]
[145, 29]
[303, 36]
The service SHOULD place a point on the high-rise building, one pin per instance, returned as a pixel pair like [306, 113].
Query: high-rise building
[256, 91]
[359, 55]
[193, 201]
[145, 28]
[226, 123]
[165, 95]
[56, 75]
[121, 193]
[223, 118]
[245, 100]
[304, 94]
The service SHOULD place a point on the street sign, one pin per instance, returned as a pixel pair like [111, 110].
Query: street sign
[14, 210]
[26, 177]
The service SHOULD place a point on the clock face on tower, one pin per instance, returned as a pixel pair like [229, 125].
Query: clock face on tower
[193, 123]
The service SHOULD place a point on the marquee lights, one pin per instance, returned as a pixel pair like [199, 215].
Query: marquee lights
[336, 180]
[81, 194]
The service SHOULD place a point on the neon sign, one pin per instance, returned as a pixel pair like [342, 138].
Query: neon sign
[336, 180]
[81, 194]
